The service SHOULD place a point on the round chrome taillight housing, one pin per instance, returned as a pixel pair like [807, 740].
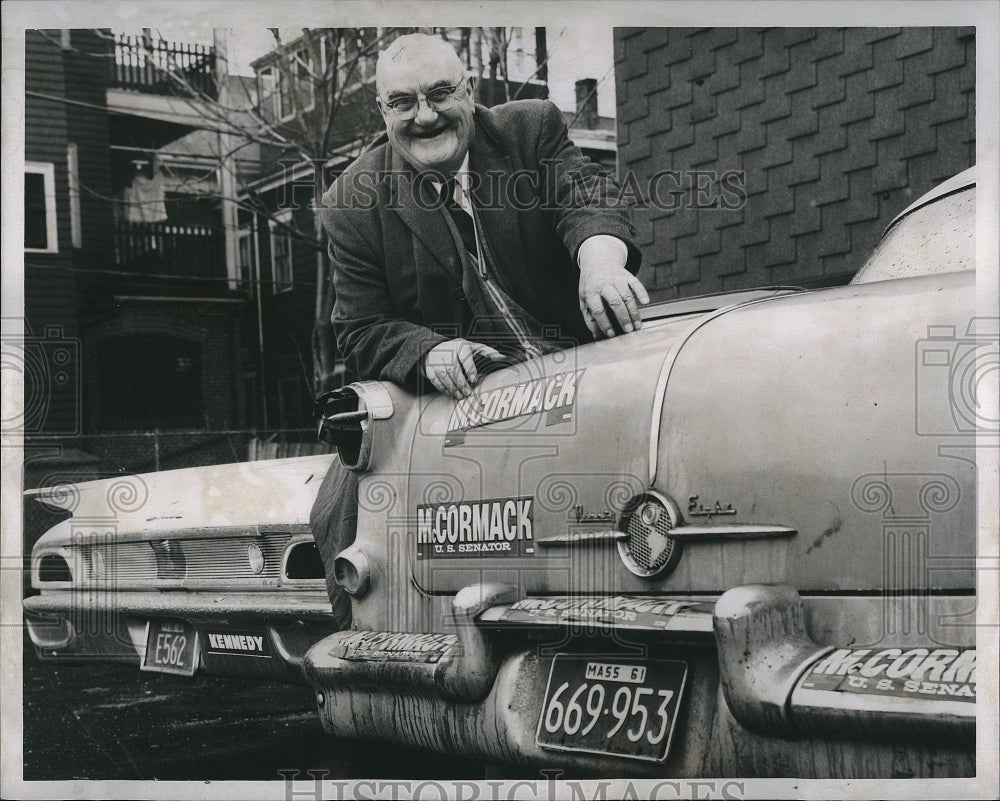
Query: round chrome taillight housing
[649, 550]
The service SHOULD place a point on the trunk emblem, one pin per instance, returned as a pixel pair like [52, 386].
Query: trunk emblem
[648, 549]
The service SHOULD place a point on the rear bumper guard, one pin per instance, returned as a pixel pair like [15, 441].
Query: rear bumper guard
[457, 667]
[778, 681]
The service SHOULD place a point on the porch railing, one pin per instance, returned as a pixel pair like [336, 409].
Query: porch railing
[171, 249]
[163, 68]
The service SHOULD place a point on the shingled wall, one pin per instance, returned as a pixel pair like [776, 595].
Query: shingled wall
[835, 130]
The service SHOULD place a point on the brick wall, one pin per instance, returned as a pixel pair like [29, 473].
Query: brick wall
[214, 328]
[834, 131]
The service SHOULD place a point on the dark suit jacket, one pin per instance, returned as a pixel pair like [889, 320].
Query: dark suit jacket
[397, 268]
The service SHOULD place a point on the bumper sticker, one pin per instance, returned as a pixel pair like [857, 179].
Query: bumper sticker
[385, 646]
[941, 673]
[237, 643]
[641, 612]
[492, 527]
[554, 395]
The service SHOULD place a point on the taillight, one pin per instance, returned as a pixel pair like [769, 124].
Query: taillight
[52, 567]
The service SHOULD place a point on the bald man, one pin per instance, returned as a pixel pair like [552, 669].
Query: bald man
[470, 235]
[551, 255]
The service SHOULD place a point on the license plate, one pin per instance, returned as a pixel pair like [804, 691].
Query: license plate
[171, 647]
[611, 705]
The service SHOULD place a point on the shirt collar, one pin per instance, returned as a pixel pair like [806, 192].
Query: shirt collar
[462, 196]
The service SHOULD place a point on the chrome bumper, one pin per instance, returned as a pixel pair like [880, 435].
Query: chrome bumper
[757, 680]
[66, 626]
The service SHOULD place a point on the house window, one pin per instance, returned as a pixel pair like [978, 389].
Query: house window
[40, 208]
[301, 83]
[289, 87]
[356, 58]
[246, 254]
[281, 251]
[265, 90]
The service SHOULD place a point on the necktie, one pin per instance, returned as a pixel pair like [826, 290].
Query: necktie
[462, 218]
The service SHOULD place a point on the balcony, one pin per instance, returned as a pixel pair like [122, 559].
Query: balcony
[171, 250]
[153, 66]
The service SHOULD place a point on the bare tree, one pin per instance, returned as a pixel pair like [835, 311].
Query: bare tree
[337, 82]
[314, 104]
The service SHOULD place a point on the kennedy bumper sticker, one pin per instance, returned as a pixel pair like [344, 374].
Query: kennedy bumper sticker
[493, 527]
[554, 395]
[238, 643]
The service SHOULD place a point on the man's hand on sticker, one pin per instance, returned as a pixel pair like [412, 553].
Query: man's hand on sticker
[451, 366]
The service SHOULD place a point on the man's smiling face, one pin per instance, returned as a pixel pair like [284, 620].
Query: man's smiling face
[432, 140]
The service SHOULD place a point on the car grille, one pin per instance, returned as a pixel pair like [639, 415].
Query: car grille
[191, 560]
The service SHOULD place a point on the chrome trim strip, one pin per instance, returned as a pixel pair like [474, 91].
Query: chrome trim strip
[582, 537]
[734, 530]
[212, 605]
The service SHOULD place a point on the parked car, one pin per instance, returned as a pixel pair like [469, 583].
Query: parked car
[738, 542]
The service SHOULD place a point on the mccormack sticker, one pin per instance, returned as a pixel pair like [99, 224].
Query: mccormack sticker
[389, 646]
[940, 673]
[638, 612]
[552, 395]
[495, 527]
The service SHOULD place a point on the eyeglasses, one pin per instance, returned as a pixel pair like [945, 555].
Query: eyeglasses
[439, 98]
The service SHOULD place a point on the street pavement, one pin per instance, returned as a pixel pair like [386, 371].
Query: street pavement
[111, 721]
